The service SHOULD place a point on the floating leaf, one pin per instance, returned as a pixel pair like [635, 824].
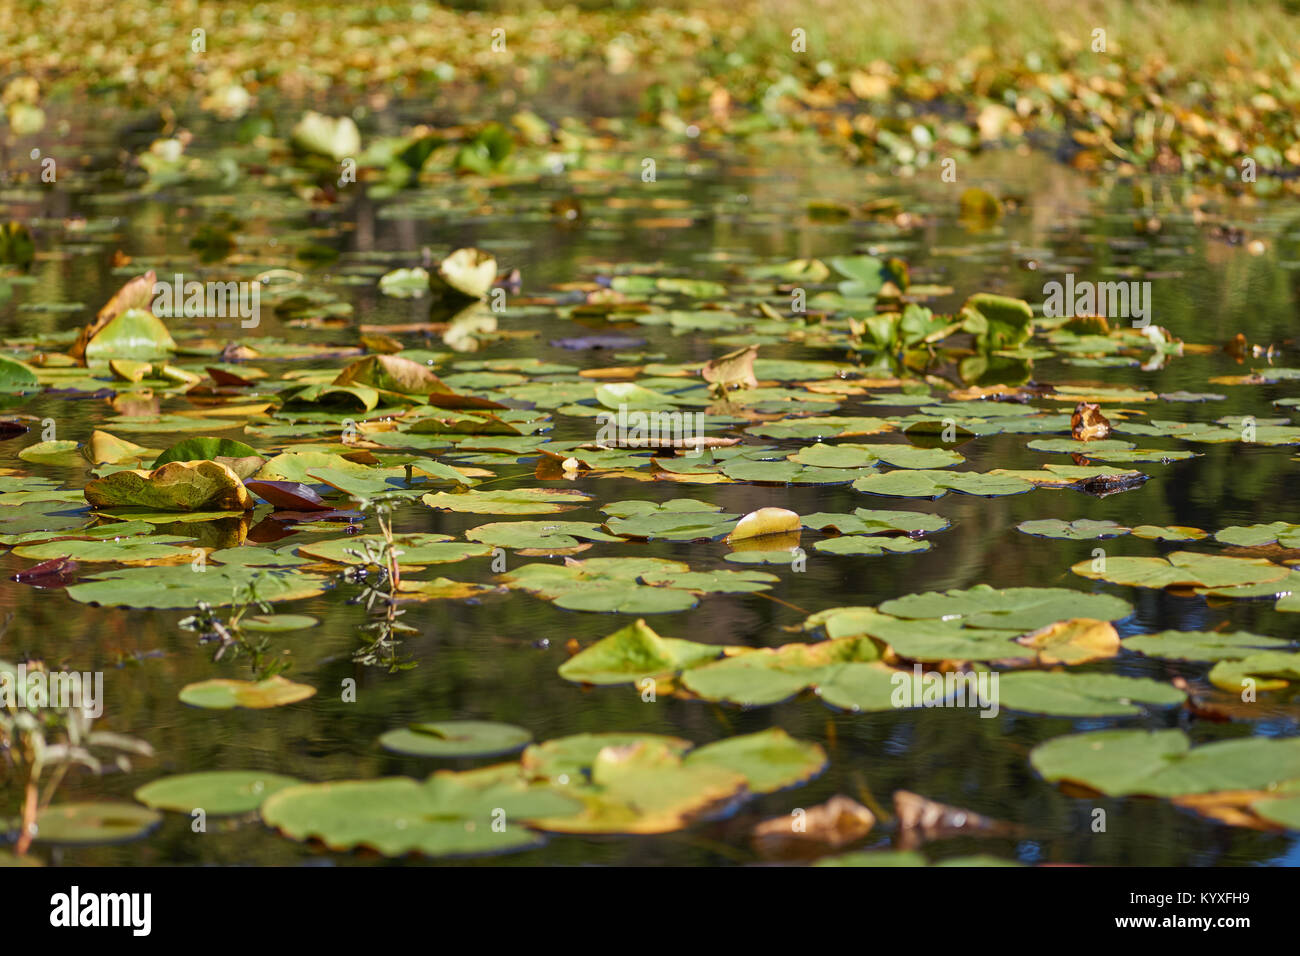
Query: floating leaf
[632, 654]
[217, 793]
[456, 738]
[177, 486]
[517, 501]
[88, 824]
[1183, 569]
[205, 449]
[1083, 695]
[448, 814]
[223, 694]
[466, 273]
[1084, 529]
[1163, 763]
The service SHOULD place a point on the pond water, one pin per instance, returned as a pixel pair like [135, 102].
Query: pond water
[710, 213]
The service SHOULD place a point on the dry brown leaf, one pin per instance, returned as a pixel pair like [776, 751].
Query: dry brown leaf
[921, 819]
[1088, 423]
[833, 824]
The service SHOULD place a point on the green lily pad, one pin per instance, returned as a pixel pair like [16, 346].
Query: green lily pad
[1084, 529]
[1022, 609]
[922, 483]
[519, 501]
[277, 623]
[1252, 536]
[456, 738]
[205, 449]
[1184, 569]
[633, 653]
[770, 760]
[223, 694]
[448, 814]
[557, 535]
[60, 452]
[183, 587]
[416, 549]
[1202, 645]
[1083, 695]
[1266, 670]
[861, 544]
[216, 793]
[1163, 763]
[88, 824]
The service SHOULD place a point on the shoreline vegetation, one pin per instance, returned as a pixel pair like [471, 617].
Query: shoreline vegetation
[1206, 89]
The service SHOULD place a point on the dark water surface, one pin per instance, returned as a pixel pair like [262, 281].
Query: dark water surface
[484, 661]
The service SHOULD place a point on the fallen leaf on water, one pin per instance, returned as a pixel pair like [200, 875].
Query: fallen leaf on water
[921, 819]
[1088, 423]
[53, 573]
[833, 824]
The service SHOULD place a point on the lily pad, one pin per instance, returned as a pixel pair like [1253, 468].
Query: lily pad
[223, 694]
[448, 814]
[216, 793]
[456, 738]
[1083, 695]
[88, 824]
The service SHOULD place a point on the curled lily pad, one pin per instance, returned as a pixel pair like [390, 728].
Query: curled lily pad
[223, 694]
[135, 333]
[466, 273]
[633, 653]
[205, 449]
[1075, 641]
[456, 738]
[765, 521]
[217, 792]
[1266, 670]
